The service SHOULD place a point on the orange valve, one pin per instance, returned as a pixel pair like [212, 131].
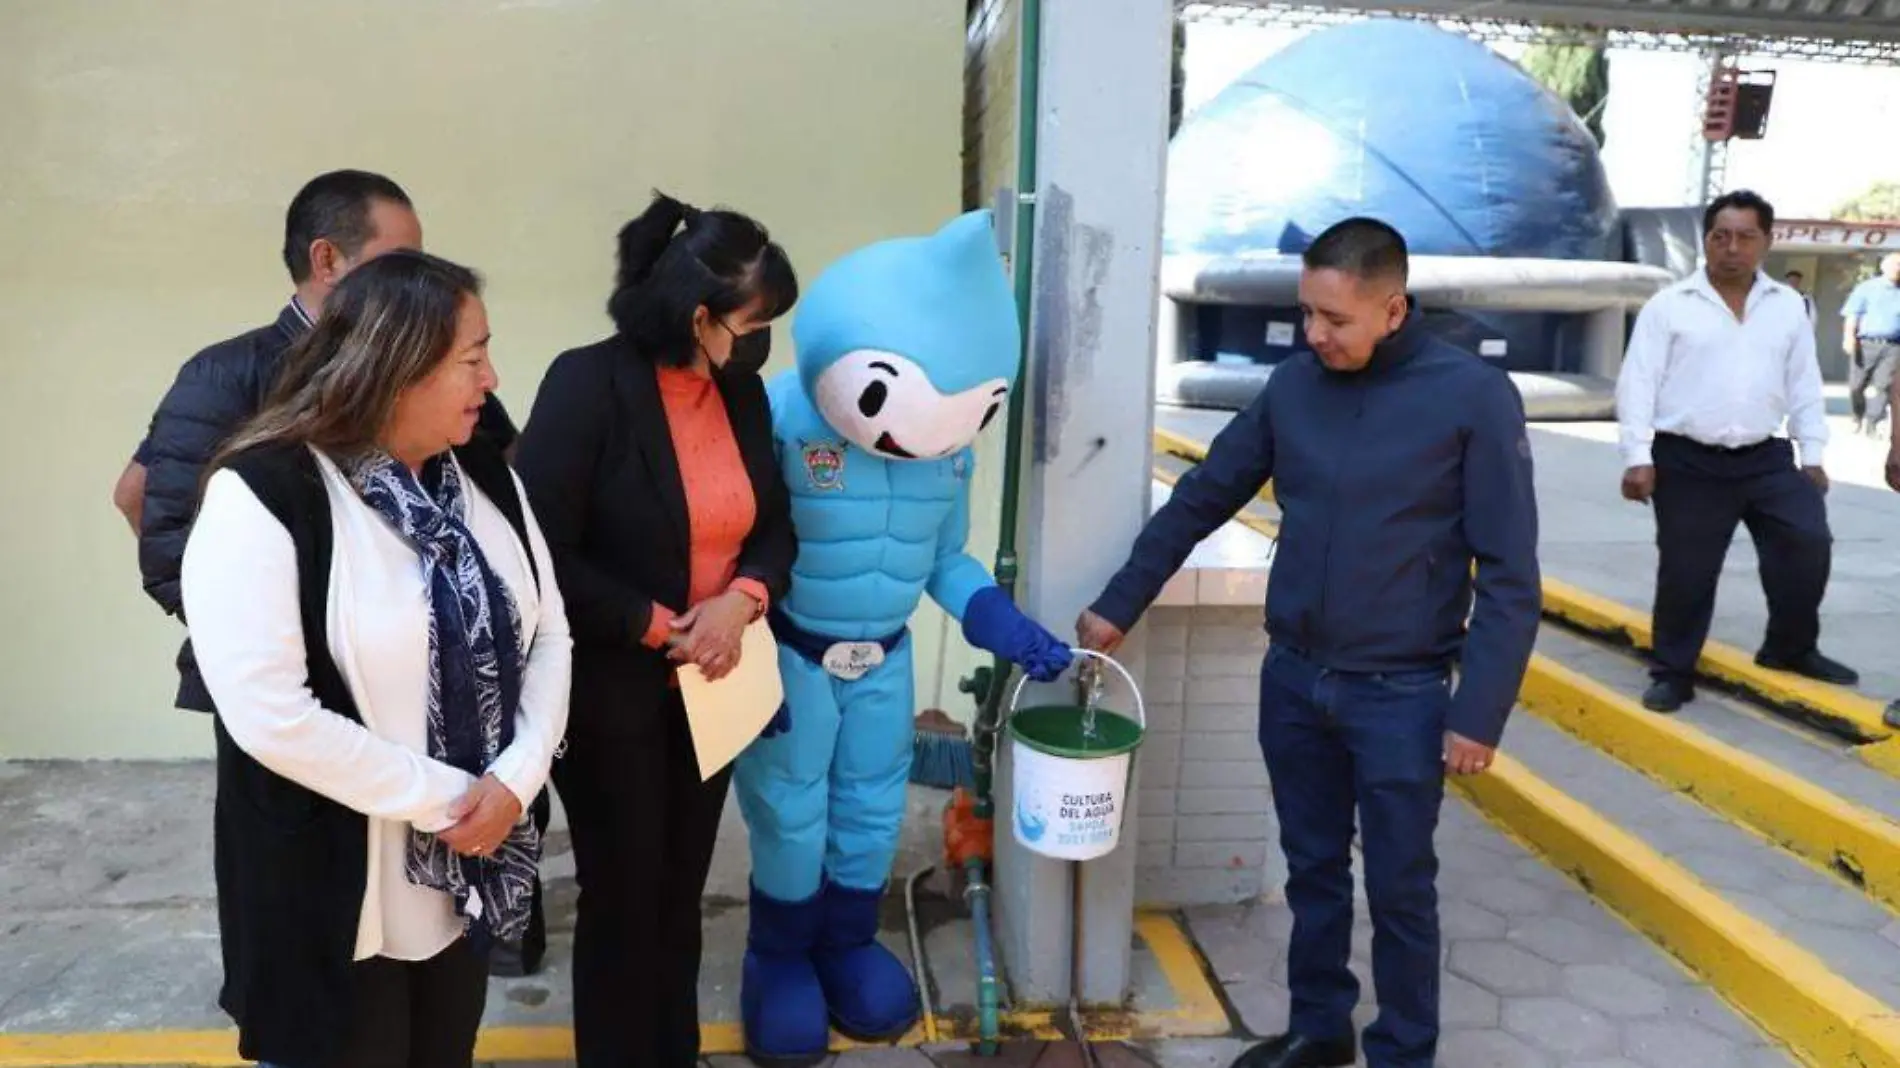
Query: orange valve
[965, 835]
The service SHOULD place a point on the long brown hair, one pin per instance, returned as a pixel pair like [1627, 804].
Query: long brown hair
[386, 326]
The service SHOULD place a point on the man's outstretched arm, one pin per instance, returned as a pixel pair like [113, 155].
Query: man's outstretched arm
[1238, 464]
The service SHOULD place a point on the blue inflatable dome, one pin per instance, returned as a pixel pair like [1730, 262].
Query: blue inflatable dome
[1427, 130]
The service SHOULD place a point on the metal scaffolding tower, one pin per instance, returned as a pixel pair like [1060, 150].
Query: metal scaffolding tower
[1526, 31]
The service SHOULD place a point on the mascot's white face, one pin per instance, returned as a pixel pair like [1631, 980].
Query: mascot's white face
[887, 405]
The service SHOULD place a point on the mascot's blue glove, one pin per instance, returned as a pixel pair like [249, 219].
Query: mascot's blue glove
[992, 621]
[780, 723]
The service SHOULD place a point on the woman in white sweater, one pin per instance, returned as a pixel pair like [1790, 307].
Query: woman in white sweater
[376, 617]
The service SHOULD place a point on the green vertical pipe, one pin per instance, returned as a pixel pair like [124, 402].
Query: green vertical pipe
[1022, 262]
[988, 684]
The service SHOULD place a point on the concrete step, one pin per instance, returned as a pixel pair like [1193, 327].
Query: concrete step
[1808, 956]
[1794, 786]
[1846, 713]
[1801, 749]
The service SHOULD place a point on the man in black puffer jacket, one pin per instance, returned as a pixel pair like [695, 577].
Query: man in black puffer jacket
[337, 221]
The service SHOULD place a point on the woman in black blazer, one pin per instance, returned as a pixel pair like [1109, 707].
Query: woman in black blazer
[649, 460]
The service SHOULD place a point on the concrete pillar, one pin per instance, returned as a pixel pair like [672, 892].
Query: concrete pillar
[1603, 341]
[1102, 132]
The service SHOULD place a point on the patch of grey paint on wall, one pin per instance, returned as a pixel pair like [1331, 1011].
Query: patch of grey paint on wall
[1072, 262]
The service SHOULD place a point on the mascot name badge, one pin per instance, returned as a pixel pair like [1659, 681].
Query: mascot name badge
[851, 661]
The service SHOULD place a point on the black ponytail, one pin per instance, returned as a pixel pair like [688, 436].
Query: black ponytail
[644, 239]
[674, 258]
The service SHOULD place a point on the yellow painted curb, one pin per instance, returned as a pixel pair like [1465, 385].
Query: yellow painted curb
[1182, 447]
[1785, 989]
[1258, 524]
[1883, 755]
[1197, 1012]
[1832, 708]
[1836, 835]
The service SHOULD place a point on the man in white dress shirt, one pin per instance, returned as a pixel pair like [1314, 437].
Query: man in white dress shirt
[1716, 364]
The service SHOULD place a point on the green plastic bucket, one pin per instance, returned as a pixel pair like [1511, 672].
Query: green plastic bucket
[1070, 790]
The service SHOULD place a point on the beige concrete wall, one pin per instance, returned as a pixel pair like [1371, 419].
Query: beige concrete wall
[989, 160]
[147, 152]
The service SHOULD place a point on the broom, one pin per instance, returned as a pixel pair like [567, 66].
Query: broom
[941, 754]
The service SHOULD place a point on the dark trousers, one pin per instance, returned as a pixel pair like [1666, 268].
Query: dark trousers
[1335, 743]
[1702, 492]
[643, 827]
[416, 1014]
[1872, 373]
[1857, 386]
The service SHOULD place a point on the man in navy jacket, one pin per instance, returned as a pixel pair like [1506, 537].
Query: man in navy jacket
[1398, 462]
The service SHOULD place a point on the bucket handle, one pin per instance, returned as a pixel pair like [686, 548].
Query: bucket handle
[1141, 708]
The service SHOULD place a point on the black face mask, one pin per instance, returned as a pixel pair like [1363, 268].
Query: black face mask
[749, 354]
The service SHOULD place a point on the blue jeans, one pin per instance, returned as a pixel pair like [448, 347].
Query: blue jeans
[1336, 742]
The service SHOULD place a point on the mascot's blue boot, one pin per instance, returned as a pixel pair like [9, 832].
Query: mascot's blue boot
[780, 999]
[869, 991]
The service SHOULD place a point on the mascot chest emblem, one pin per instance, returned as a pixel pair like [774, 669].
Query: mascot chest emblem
[824, 466]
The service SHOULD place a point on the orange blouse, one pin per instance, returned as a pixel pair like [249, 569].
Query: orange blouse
[720, 505]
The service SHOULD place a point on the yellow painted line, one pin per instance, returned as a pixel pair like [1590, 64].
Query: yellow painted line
[1787, 991]
[1180, 445]
[121, 1047]
[1183, 447]
[1883, 755]
[1258, 524]
[1833, 708]
[1197, 1011]
[1836, 835]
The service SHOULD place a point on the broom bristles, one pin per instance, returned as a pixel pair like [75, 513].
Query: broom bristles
[941, 755]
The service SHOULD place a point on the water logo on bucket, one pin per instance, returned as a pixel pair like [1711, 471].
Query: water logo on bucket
[1030, 826]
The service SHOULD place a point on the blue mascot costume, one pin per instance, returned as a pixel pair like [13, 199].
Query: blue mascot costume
[907, 349]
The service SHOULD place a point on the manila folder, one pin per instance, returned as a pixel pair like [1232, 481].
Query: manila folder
[725, 716]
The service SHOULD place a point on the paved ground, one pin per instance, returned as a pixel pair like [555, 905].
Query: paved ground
[107, 908]
[106, 923]
[1537, 974]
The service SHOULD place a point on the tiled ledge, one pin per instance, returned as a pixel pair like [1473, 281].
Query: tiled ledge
[1228, 570]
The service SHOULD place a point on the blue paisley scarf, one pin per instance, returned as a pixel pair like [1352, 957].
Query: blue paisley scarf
[475, 667]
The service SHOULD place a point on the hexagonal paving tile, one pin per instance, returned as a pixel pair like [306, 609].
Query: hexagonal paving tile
[1670, 1043]
[1509, 896]
[1704, 1006]
[1489, 1049]
[1463, 919]
[1562, 941]
[1563, 1027]
[1197, 1052]
[1504, 969]
[1463, 1003]
[1615, 990]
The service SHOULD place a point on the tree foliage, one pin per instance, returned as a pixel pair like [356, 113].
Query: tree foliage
[1578, 72]
[1879, 202]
